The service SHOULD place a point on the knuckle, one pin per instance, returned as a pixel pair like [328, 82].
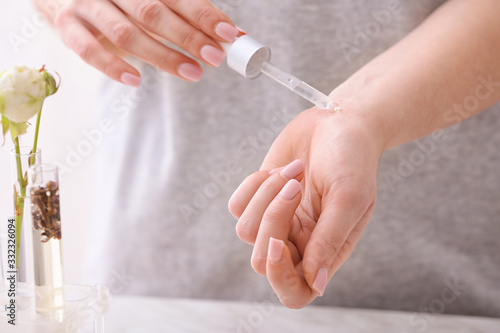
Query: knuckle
[74, 6]
[108, 68]
[122, 35]
[59, 22]
[189, 37]
[75, 3]
[203, 14]
[346, 251]
[61, 17]
[83, 49]
[273, 212]
[258, 263]
[272, 185]
[291, 303]
[235, 207]
[149, 11]
[171, 3]
[326, 249]
[245, 232]
[165, 63]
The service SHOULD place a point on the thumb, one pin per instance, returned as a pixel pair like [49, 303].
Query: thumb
[332, 241]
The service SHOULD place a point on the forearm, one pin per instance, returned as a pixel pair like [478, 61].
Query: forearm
[49, 8]
[434, 77]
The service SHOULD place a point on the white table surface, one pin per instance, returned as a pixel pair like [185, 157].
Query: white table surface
[145, 314]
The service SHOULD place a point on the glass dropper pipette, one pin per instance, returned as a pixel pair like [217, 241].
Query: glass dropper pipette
[299, 87]
[251, 58]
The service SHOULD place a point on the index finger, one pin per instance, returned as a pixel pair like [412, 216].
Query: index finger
[206, 17]
[244, 193]
[276, 223]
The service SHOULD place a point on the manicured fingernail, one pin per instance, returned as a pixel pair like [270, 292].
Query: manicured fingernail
[226, 31]
[130, 79]
[241, 31]
[290, 190]
[212, 55]
[293, 169]
[275, 250]
[190, 72]
[320, 282]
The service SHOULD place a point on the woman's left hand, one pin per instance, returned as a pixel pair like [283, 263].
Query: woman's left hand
[305, 217]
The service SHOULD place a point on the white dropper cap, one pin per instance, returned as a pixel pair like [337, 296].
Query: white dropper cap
[246, 56]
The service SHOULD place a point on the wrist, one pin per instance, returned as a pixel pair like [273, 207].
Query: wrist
[363, 116]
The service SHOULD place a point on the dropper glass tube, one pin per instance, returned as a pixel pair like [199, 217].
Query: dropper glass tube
[250, 58]
[297, 86]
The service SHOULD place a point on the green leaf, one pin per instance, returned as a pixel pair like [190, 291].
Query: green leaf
[2, 104]
[5, 125]
[52, 85]
[5, 128]
[17, 129]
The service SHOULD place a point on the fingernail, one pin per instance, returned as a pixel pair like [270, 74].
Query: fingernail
[190, 71]
[320, 282]
[130, 79]
[226, 31]
[290, 190]
[241, 31]
[212, 55]
[293, 169]
[275, 250]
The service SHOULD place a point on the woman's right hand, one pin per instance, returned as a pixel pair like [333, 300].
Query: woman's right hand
[100, 30]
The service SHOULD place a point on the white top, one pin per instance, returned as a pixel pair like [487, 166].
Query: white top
[180, 149]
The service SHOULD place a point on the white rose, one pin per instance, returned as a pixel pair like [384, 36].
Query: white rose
[22, 92]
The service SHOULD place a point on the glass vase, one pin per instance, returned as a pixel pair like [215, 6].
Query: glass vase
[21, 160]
[46, 237]
[15, 239]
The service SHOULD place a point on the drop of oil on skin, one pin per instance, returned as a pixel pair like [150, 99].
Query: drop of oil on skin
[334, 108]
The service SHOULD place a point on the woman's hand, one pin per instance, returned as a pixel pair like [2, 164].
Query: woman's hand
[100, 30]
[303, 232]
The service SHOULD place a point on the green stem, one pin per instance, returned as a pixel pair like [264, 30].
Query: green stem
[20, 199]
[35, 143]
[20, 177]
